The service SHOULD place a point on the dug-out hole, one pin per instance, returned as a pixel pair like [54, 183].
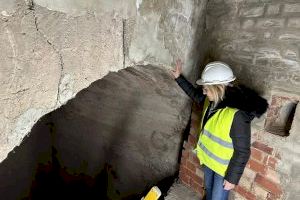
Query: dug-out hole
[114, 140]
[280, 115]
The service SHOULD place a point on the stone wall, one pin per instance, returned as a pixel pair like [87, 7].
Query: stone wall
[53, 49]
[260, 39]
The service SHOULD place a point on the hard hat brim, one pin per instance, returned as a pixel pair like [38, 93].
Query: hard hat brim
[202, 82]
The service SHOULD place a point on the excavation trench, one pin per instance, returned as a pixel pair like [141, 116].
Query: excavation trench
[114, 140]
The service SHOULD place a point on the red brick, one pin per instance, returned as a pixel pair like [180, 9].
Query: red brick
[256, 166]
[268, 185]
[195, 116]
[183, 161]
[192, 140]
[197, 179]
[256, 154]
[196, 108]
[185, 154]
[263, 147]
[183, 169]
[187, 171]
[195, 124]
[187, 146]
[248, 195]
[184, 178]
[191, 166]
[193, 157]
[272, 162]
[196, 187]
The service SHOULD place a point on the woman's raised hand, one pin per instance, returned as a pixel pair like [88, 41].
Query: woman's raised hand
[178, 69]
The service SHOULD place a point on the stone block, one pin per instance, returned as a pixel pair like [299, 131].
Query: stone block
[289, 36]
[200, 173]
[248, 23]
[260, 192]
[272, 175]
[252, 11]
[291, 53]
[246, 183]
[273, 9]
[250, 174]
[292, 8]
[293, 22]
[241, 1]
[267, 35]
[266, 23]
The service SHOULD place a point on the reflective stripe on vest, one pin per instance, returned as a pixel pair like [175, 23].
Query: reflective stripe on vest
[214, 148]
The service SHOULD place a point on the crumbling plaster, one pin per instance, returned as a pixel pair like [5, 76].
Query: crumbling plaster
[53, 49]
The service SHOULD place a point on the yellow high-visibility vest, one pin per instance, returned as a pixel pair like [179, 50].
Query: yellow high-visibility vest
[214, 147]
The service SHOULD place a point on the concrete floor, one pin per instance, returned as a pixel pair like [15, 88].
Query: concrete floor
[178, 191]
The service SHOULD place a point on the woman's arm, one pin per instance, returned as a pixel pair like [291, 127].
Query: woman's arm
[187, 87]
[195, 94]
[241, 138]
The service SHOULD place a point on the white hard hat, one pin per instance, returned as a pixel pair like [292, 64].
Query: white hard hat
[216, 73]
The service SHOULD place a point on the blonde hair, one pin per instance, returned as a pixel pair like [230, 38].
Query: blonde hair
[217, 91]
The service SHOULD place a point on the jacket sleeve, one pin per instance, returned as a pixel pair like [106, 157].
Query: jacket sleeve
[240, 134]
[195, 94]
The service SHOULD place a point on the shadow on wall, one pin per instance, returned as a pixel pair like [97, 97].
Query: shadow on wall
[54, 182]
[115, 140]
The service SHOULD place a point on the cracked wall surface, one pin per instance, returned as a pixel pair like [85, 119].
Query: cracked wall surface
[54, 49]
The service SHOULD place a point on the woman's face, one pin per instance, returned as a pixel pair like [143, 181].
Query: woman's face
[208, 93]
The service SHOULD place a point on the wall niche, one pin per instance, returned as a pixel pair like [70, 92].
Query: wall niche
[280, 115]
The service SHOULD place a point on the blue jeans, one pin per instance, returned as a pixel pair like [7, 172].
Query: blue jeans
[214, 185]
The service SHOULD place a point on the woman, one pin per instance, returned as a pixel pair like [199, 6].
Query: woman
[224, 141]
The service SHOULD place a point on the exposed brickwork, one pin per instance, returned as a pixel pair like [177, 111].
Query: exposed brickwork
[263, 147]
[260, 40]
[260, 179]
[190, 171]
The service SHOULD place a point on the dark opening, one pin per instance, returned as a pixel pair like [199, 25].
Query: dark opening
[115, 140]
[280, 115]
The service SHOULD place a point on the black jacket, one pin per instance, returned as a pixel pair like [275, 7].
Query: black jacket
[250, 105]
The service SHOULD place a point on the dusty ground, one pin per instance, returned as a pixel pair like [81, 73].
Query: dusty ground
[179, 192]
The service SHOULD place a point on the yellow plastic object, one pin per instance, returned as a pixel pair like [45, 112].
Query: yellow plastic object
[153, 194]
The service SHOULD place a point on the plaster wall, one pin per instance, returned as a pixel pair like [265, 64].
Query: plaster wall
[54, 49]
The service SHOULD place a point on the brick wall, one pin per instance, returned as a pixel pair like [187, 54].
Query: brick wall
[260, 39]
[260, 179]
[190, 172]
